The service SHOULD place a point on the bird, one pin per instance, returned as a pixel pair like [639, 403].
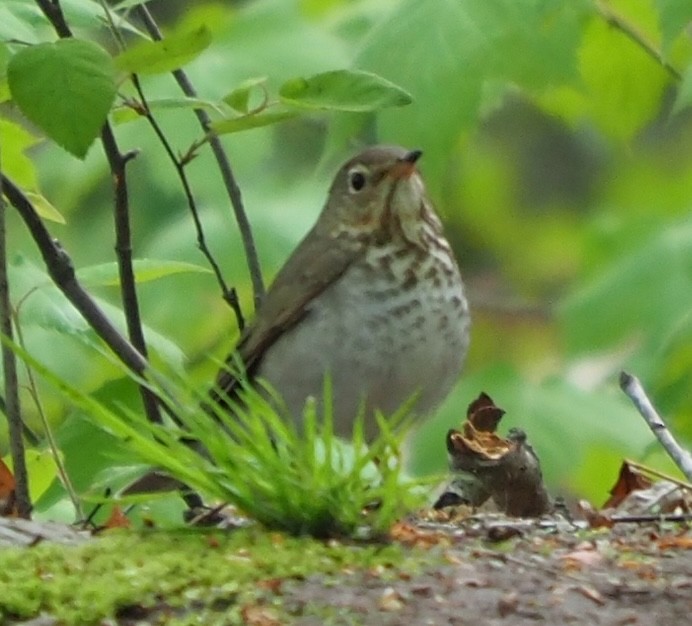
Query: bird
[372, 297]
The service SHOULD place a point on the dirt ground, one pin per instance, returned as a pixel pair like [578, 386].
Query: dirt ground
[623, 577]
[483, 569]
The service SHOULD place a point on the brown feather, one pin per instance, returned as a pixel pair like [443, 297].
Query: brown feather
[314, 265]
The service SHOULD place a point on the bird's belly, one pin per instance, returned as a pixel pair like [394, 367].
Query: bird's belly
[380, 346]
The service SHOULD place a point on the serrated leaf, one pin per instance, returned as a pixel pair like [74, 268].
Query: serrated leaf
[44, 208]
[245, 122]
[171, 53]
[146, 270]
[66, 88]
[239, 98]
[683, 99]
[344, 90]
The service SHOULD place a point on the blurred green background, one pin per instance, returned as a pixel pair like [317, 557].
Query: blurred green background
[556, 149]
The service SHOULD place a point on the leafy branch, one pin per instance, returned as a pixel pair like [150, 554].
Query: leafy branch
[117, 162]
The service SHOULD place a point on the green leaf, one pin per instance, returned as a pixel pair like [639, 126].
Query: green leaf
[239, 98]
[122, 114]
[44, 208]
[684, 96]
[14, 141]
[623, 83]
[344, 90]
[674, 17]
[146, 270]
[245, 122]
[4, 60]
[171, 53]
[637, 297]
[66, 88]
[443, 53]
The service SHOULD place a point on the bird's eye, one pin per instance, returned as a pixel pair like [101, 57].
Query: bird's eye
[356, 180]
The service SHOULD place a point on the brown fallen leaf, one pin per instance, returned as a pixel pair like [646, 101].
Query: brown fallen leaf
[683, 542]
[629, 479]
[7, 492]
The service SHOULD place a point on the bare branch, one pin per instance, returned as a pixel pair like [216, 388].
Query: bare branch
[635, 392]
[123, 249]
[224, 166]
[61, 271]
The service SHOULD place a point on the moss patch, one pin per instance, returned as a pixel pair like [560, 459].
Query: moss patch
[174, 573]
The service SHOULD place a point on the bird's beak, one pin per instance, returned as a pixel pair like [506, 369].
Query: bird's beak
[405, 166]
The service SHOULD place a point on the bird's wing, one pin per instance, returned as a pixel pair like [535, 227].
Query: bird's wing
[315, 264]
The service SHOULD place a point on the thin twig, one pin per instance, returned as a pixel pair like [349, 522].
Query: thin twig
[644, 519]
[630, 31]
[123, 249]
[9, 368]
[224, 166]
[230, 295]
[635, 392]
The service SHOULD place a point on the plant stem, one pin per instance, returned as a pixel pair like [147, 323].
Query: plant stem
[9, 367]
[224, 165]
[229, 294]
[123, 248]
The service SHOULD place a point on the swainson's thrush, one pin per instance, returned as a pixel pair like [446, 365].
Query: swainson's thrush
[372, 297]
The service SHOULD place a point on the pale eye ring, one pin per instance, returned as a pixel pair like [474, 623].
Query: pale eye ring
[357, 180]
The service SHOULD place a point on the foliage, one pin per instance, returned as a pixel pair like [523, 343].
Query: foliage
[555, 137]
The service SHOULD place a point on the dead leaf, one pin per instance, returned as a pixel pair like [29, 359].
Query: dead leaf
[629, 480]
[117, 519]
[684, 542]
[411, 535]
[483, 413]
[7, 492]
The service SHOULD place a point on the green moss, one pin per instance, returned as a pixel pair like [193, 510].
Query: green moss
[175, 572]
